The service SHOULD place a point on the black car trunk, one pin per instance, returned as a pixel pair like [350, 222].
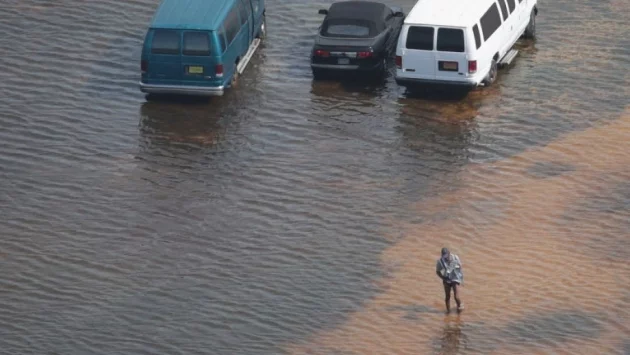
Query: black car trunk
[338, 51]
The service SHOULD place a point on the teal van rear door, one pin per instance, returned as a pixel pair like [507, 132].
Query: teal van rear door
[198, 63]
[165, 56]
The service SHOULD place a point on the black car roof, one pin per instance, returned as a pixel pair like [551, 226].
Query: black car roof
[359, 10]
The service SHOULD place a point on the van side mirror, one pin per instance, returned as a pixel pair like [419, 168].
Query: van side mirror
[323, 12]
[399, 14]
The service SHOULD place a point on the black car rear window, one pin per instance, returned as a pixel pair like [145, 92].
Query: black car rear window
[165, 42]
[450, 40]
[420, 38]
[350, 28]
[196, 43]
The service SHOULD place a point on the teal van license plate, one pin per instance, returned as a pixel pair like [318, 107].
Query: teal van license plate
[195, 70]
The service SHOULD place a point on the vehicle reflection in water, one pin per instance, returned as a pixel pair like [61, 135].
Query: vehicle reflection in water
[189, 121]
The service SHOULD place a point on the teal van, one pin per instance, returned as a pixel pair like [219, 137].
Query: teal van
[199, 47]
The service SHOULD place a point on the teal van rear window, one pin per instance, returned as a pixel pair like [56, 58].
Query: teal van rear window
[196, 43]
[165, 42]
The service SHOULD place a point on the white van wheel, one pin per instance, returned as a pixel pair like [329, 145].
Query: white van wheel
[263, 29]
[530, 30]
[492, 74]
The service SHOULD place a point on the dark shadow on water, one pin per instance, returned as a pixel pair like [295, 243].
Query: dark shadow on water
[554, 328]
[414, 311]
[536, 330]
[542, 170]
[609, 205]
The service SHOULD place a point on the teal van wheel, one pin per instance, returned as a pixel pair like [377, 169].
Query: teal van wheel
[234, 80]
[263, 29]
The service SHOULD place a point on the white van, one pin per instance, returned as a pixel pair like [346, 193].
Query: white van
[461, 42]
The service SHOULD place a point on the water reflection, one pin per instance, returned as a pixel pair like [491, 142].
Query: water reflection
[190, 121]
[452, 339]
[347, 87]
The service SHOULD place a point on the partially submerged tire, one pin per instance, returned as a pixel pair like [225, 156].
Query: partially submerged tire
[492, 74]
[234, 80]
[530, 30]
[383, 68]
[262, 33]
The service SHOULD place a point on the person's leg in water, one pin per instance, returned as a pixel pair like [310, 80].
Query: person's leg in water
[455, 287]
[447, 296]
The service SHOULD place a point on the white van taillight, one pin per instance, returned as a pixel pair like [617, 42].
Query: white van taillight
[472, 66]
[398, 62]
[218, 70]
[144, 65]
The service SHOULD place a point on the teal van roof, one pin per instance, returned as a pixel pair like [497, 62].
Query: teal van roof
[191, 14]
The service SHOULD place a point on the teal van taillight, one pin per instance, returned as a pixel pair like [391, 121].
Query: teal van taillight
[195, 49]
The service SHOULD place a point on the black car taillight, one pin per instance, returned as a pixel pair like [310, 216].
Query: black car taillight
[321, 53]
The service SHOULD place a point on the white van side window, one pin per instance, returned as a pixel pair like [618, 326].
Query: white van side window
[420, 38]
[511, 5]
[477, 36]
[504, 10]
[490, 21]
[450, 40]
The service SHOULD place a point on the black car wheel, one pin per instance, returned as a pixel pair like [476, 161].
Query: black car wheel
[383, 68]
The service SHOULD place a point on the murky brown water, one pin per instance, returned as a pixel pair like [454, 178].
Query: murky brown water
[304, 218]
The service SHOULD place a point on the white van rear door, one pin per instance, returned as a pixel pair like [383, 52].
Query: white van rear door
[418, 56]
[451, 61]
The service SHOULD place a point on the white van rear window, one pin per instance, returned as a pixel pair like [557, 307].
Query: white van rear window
[420, 38]
[450, 40]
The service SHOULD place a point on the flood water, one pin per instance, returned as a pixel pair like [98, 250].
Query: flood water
[301, 217]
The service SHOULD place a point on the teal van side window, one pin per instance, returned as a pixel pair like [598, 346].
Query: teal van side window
[165, 42]
[196, 43]
[247, 5]
[221, 37]
[243, 12]
[232, 25]
[255, 2]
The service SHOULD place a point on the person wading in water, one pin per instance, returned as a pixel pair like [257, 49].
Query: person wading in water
[449, 269]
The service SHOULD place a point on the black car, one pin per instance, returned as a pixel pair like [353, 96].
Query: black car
[356, 36]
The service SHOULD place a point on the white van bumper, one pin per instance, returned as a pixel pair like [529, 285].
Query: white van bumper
[182, 90]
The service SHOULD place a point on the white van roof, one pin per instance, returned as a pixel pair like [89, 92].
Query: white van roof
[451, 13]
